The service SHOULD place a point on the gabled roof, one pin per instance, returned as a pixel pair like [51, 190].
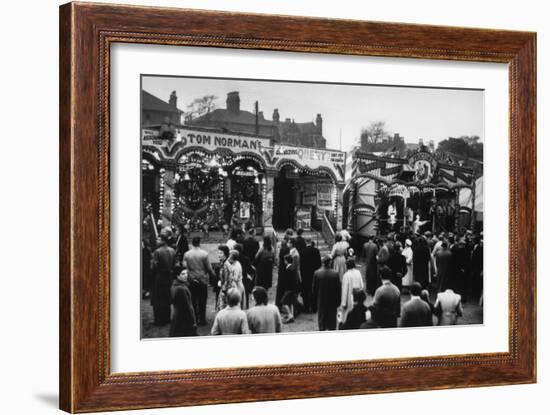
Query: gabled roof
[152, 103]
[223, 115]
[298, 127]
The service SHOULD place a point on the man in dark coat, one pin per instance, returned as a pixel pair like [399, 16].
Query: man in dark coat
[421, 261]
[416, 312]
[162, 267]
[443, 265]
[249, 274]
[370, 251]
[387, 301]
[250, 245]
[398, 265]
[310, 262]
[183, 316]
[327, 291]
[460, 265]
[299, 241]
[182, 245]
[357, 314]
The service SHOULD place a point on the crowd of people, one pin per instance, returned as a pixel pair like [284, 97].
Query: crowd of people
[438, 272]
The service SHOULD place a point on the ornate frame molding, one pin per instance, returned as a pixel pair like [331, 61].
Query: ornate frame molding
[86, 33]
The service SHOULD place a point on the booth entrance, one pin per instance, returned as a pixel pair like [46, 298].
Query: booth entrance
[284, 197]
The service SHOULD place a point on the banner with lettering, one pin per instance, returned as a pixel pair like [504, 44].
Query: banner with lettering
[190, 137]
[312, 158]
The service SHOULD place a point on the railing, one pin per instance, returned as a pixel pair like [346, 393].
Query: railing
[327, 229]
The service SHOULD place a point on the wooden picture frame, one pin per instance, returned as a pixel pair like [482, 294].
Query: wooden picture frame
[86, 33]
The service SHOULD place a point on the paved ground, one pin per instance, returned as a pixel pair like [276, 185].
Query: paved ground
[473, 313]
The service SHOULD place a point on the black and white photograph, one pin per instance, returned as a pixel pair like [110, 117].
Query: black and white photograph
[279, 206]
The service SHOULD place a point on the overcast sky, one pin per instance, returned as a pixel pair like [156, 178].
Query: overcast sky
[427, 113]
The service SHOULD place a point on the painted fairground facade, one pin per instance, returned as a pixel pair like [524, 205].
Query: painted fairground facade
[422, 191]
[203, 179]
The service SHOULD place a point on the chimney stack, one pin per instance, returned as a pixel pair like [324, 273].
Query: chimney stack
[233, 102]
[276, 116]
[173, 100]
[319, 124]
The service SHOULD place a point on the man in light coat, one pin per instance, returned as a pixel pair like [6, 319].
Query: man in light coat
[198, 265]
[231, 320]
[263, 317]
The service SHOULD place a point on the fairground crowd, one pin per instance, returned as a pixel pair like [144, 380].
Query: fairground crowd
[439, 272]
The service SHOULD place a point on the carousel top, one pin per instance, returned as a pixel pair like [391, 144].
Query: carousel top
[420, 168]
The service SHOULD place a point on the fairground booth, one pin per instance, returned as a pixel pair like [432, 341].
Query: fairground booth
[205, 179]
[424, 191]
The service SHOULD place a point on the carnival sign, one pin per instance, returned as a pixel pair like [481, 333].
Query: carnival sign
[424, 165]
[312, 158]
[189, 137]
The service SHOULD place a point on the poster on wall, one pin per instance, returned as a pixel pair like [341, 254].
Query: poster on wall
[324, 199]
[244, 211]
[310, 194]
[303, 217]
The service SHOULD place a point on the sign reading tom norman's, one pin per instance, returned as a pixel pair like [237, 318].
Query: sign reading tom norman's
[188, 137]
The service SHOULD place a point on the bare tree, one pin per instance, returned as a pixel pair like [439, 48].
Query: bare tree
[374, 133]
[201, 106]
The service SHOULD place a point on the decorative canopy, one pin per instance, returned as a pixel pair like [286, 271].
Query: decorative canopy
[230, 147]
[421, 169]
